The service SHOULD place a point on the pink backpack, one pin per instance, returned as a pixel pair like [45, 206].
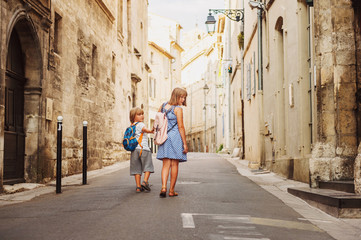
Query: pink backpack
[161, 126]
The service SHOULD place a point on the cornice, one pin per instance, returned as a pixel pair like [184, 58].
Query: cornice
[177, 46]
[106, 10]
[160, 49]
[38, 7]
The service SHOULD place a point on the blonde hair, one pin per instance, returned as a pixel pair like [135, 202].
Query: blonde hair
[133, 112]
[176, 94]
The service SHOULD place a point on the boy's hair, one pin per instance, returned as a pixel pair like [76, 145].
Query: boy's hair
[176, 94]
[134, 112]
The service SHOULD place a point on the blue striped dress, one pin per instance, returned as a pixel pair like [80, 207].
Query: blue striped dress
[172, 148]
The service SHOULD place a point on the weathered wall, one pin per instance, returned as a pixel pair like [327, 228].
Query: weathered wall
[336, 144]
[82, 69]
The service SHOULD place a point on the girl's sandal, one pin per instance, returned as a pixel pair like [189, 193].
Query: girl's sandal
[173, 194]
[163, 192]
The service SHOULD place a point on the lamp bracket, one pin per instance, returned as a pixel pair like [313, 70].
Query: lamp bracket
[233, 14]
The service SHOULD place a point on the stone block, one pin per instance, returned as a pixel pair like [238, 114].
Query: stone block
[348, 144]
[347, 123]
[319, 170]
[345, 74]
[357, 172]
[342, 168]
[345, 57]
[328, 124]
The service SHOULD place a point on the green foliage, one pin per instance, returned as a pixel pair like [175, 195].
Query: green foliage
[220, 148]
[241, 40]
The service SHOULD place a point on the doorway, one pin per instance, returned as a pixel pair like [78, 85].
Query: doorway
[14, 136]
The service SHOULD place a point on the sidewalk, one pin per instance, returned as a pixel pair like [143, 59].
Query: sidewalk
[26, 191]
[338, 228]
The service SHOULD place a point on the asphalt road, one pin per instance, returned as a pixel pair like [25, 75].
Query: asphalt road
[214, 202]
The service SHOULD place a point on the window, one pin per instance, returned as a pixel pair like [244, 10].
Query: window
[120, 16]
[249, 77]
[129, 20]
[94, 59]
[57, 33]
[113, 67]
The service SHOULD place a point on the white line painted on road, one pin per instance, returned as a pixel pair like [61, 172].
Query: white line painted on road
[237, 238]
[187, 219]
[314, 220]
[236, 227]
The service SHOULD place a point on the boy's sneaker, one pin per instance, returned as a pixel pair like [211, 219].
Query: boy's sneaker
[146, 186]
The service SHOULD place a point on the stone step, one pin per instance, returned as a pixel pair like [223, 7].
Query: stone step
[344, 186]
[336, 203]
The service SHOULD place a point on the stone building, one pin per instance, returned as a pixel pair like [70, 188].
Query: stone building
[201, 75]
[165, 62]
[301, 92]
[278, 94]
[337, 38]
[83, 60]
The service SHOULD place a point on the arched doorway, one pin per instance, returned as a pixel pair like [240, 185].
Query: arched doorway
[14, 136]
[22, 98]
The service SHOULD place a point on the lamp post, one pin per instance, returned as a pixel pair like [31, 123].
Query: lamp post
[205, 90]
[232, 15]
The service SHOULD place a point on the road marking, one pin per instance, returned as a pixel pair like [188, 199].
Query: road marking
[284, 224]
[314, 220]
[187, 220]
[238, 238]
[236, 227]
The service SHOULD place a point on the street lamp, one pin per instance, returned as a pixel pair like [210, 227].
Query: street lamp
[211, 24]
[233, 14]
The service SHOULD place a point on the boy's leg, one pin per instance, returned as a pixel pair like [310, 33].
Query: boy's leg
[147, 164]
[146, 176]
[137, 179]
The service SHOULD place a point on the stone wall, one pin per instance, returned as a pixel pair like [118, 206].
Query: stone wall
[85, 73]
[336, 144]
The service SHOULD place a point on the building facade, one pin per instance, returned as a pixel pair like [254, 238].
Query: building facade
[165, 62]
[278, 87]
[84, 61]
[201, 75]
[300, 89]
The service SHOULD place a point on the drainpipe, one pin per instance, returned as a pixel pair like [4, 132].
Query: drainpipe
[260, 53]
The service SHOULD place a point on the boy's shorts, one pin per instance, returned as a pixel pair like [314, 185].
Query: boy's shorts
[141, 164]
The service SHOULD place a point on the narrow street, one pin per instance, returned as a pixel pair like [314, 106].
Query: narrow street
[214, 202]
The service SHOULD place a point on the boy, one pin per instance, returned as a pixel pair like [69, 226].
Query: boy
[141, 157]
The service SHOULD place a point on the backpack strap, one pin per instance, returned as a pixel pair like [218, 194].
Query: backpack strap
[140, 140]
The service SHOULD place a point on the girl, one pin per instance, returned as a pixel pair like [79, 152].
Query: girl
[174, 149]
[141, 157]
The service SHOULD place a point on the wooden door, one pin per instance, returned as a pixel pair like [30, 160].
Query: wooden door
[14, 137]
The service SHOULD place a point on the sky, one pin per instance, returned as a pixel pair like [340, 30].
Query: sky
[187, 13]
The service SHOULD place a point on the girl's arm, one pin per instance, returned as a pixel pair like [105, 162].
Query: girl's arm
[179, 113]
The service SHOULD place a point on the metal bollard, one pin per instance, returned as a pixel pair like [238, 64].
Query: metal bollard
[85, 143]
[58, 154]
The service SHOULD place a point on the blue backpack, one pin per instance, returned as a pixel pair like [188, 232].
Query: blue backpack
[130, 141]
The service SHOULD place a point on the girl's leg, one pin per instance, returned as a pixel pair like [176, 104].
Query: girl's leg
[165, 172]
[173, 174]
